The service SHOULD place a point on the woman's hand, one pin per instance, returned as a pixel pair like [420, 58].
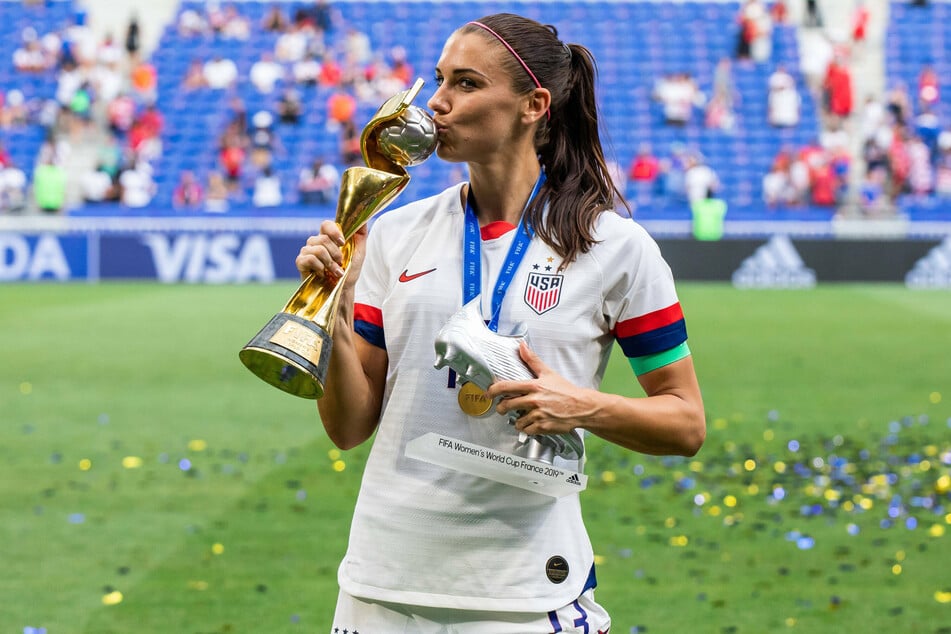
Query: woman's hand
[549, 404]
[326, 254]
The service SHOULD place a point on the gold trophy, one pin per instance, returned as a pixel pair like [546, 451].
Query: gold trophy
[292, 352]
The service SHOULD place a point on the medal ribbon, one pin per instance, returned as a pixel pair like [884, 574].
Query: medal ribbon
[472, 256]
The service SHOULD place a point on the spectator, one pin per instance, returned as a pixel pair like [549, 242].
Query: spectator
[943, 166]
[350, 152]
[13, 109]
[318, 184]
[707, 217]
[263, 139]
[860, 18]
[779, 12]
[12, 187]
[306, 71]
[136, 185]
[267, 189]
[289, 106]
[920, 171]
[700, 181]
[784, 103]
[873, 200]
[194, 76]
[644, 167]
[266, 73]
[778, 187]
[30, 56]
[98, 185]
[191, 23]
[144, 81]
[274, 20]
[231, 157]
[220, 73]
[217, 199]
[813, 17]
[49, 186]
[838, 89]
[929, 93]
[234, 26]
[291, 46]
[188, 193]
[679, 95]
[133, 39]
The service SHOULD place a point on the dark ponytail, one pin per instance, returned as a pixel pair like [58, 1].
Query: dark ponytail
[579, 185]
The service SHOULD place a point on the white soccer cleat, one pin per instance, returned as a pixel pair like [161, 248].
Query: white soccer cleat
[484, 357]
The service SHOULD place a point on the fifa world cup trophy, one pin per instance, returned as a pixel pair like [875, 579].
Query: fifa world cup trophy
[292, 351]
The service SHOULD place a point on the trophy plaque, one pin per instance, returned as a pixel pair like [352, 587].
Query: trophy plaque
[292, 351]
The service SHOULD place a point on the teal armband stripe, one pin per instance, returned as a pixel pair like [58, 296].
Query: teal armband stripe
[643, 365]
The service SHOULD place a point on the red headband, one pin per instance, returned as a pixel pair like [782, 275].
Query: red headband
[516, 55]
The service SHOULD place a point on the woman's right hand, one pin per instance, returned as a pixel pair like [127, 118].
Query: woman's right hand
[323, 254]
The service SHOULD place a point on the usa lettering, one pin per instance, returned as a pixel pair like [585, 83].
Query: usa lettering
[544, 282]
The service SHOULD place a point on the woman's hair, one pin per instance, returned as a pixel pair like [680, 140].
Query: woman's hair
[579, 184]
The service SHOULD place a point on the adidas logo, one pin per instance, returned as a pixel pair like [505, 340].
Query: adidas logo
[574, 479]
[933, 270]
[776, 264]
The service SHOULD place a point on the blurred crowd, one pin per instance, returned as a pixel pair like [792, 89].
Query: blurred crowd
[868, 151]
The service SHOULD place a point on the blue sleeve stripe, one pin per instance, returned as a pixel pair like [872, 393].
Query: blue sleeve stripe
[371, 332]
[657, 340]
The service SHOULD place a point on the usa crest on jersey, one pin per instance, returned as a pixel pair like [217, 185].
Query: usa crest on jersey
[542, 291]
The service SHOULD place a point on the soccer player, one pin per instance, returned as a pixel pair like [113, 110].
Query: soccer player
[435, 549]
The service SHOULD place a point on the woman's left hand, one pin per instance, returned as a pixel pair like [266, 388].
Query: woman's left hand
[549, 404]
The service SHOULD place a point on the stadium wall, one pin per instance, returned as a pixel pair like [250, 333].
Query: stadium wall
[260, 250]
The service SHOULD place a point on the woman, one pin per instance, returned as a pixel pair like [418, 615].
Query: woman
[431, 545]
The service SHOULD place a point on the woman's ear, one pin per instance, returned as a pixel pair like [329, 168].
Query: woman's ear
[537, 105]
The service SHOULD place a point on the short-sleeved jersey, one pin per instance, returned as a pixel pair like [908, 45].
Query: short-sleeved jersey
[427, 535]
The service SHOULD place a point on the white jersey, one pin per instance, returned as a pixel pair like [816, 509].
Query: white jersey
[430, 536]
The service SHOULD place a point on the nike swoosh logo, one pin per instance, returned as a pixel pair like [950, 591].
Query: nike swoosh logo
[409, 278]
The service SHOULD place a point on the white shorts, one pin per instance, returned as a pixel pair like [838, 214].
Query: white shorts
[359, 616]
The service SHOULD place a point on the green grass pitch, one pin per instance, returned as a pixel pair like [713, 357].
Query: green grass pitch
[149, 483]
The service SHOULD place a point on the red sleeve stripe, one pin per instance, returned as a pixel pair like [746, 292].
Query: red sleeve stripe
[650, 321]
[369, 314]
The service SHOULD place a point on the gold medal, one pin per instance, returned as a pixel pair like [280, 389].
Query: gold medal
[473, 401]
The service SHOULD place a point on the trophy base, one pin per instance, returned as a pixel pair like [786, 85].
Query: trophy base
[290, 353]
[524, 473]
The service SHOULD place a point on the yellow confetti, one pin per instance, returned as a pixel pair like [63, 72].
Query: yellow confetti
[670, 522]
[779, 467]
[334, 454]
[729, 501]
[599, 559]
[132, 462]
[197, 444]
[936, 530]
[26, 388]
[943, 484]
[750, 465]
[942, 597]
[85, 464]
[790, 622]
[896, 569]
[608, 476]
[714, 510]
[217, 548]
[112, 598]
[935, 397]
[339, 465]
[752, 489]
[679, 541]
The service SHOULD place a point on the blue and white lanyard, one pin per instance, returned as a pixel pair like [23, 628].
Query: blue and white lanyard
[472, 256]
